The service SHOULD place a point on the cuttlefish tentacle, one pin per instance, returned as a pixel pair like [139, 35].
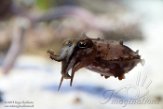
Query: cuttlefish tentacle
[59, 58]
[55, 57]
[64, 56]
[61, 81]
[64, 76]
[72, 75]
[76, 68]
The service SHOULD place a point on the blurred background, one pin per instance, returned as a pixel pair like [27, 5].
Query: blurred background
[28, 28]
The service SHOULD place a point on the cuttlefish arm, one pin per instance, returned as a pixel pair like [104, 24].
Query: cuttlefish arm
[74, 69]
[60, 58]
[65, 58]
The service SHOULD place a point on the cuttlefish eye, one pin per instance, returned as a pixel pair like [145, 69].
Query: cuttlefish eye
[68, 43]
[82, 44]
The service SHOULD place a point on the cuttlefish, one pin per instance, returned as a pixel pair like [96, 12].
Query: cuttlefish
[106, 57]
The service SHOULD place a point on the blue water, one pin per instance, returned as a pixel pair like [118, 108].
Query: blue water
[93, 90]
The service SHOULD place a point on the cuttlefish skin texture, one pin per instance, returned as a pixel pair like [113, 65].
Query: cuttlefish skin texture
[108, 58]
